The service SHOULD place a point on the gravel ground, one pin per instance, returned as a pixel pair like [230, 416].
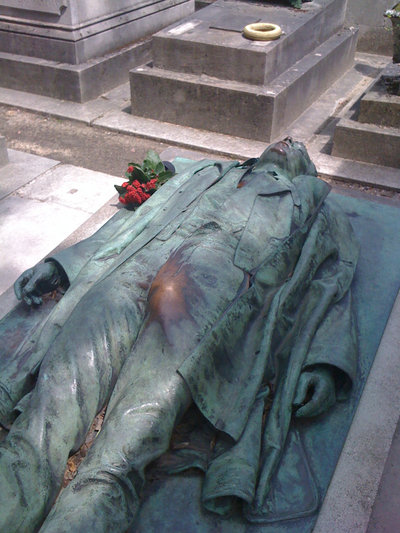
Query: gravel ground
[72, 142]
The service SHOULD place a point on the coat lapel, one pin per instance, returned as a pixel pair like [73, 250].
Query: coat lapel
[269, 222]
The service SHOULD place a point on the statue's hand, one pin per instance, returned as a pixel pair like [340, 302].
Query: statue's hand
[320, 385]
[36, 281]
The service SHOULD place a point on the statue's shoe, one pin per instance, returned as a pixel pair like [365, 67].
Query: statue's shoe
[25, 487]
[96, 500]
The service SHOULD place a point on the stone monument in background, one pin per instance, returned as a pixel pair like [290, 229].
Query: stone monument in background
[371, 132]
[207, 75]
[78, 49]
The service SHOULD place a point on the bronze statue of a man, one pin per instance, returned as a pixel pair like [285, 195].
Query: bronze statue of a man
[231, 280]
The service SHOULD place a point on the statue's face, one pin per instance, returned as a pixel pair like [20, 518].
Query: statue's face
[290, 156]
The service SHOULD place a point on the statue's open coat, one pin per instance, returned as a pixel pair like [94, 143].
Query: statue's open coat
[294, 312]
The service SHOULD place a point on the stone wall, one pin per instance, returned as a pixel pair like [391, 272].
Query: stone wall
[77, 31]
[375, 35]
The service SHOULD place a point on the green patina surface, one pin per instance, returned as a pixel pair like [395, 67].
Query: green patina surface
[171, 503]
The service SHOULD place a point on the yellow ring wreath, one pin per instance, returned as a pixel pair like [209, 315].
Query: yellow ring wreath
[262, 31]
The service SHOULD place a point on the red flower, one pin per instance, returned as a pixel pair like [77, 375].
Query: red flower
[130, 169]
[151, 184]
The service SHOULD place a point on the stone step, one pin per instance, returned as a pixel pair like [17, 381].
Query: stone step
[76, 83]
[234, 108]
[379, 107]
[199, 45]
[379, 145]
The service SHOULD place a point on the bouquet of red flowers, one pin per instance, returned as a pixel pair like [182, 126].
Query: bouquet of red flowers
[144, 179]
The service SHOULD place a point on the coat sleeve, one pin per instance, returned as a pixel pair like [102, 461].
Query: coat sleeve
[123, 227]
[335, 341]
[71, 260]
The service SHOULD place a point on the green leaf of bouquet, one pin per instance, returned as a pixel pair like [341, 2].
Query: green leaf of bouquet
[139, 175]
[121, 190]
[159, 168]
[152, 159]
[165, 175]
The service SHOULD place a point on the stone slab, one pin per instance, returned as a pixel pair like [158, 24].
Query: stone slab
[25, 237]
[41, 214]
[239, 109]
[70, 186]
[21, 169]
[194, 47]
[77, 83]
[3, 152]
[8, 301]
[379, 145]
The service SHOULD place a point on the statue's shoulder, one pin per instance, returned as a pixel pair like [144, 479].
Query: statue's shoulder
[311, 187]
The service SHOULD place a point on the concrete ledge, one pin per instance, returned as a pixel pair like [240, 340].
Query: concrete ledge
[355, 172]
[378, 145]
[174, 134]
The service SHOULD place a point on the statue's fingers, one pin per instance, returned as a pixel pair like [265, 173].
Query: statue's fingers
[36, 299]
[27, 299]
[309, 409]
[30, 287]
[21, 282]
[302, 388]
[323, 399]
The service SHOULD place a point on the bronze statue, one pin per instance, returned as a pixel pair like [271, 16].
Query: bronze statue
[231, 281]
[297, 3]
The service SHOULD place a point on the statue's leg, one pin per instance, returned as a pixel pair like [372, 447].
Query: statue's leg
[103, 498]
[188, 294]
[76, 378]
